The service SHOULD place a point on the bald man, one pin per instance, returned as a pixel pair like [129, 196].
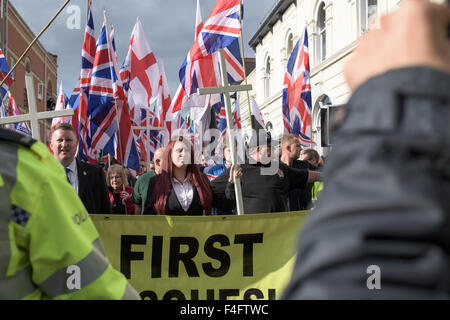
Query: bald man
[140, 189]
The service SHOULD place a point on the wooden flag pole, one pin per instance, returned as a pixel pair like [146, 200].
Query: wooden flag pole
[226, 89]
[119, 142]
[33, 42]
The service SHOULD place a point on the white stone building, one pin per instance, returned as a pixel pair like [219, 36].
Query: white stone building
[334, 27]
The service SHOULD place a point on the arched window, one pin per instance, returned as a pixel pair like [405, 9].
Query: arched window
[267, 79]
[369, 11]
[289, 45]
[322, 33]
[325, 101]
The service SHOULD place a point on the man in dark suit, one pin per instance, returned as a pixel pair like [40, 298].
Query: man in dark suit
[88, 180]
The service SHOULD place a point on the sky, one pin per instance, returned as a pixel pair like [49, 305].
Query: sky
[168, 26]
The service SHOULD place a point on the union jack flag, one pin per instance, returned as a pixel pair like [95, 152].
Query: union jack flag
[74, 103]
[126, 152]
[4, 70]
[192, 77]
[220, 30]
[297, 92]
[87, 62]
[101, 109]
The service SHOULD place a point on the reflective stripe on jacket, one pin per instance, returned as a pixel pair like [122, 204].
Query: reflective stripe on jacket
[49, 247]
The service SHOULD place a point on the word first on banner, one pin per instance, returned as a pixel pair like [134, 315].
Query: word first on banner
[248, 257]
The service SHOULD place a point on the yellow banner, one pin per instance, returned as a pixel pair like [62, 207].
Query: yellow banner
[203, 258]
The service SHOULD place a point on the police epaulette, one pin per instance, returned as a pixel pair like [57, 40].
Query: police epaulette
[13, 136]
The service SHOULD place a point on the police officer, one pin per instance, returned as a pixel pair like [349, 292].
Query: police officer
[49, 247]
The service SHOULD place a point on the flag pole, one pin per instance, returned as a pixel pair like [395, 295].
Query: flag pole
[33, 42]
[80, 94]
[243, 65]
[147, 131]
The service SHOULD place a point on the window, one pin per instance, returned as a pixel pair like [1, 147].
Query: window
[25, 98]
[267, 79]
[322, 32]
[289, 45]
[27, 65]
[369, 12]
[49, 89]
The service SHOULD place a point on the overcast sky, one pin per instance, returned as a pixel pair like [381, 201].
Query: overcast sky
[168, 25]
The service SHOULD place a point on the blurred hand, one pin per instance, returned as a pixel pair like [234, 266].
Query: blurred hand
[124, 196]
[415, 35]
[237, 172]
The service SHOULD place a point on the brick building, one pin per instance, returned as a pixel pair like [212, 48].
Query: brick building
[43, 65]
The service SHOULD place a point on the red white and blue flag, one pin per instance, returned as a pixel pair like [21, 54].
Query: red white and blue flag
[87, 62]
[60, 105]
[4, 70]
[74, 103]
[199, 74]
[101, 106]
[126, 153]
[9, 109]
[297, 93]
[220, 30]
[223, 128]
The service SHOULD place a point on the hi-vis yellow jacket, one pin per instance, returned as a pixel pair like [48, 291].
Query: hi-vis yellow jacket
[49, 247]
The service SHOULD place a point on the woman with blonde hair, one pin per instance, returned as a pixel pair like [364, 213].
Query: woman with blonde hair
[119, 191]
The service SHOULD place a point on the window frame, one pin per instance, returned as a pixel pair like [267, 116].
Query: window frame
[321, 28]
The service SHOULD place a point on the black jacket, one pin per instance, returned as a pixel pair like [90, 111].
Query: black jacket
[262, 191]
[300, 199]
[173, 206]
[92, 188]
[385, 205]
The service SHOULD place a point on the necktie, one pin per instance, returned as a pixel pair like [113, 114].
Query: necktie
[67, 174]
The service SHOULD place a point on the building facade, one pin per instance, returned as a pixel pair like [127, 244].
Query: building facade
[16, 36]
[334, 27]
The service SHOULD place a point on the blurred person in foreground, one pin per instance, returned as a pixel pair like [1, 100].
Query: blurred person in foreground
[381, 228]
[49, 248]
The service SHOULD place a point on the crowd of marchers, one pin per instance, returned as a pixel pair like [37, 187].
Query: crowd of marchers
[173, 184]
